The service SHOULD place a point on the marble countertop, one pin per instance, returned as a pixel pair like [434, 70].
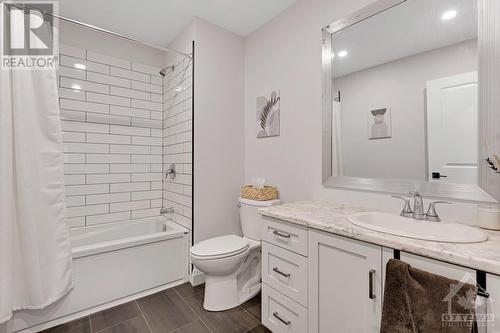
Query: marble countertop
[330, 217]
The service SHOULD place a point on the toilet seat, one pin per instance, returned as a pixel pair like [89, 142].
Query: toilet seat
[220, 247]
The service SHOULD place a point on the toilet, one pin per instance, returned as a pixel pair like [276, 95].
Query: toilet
[231, 263]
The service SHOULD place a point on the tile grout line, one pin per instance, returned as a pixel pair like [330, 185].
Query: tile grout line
[144, 316]
[90, 323]
[114, 325]
[191, 308]
[252, 316]
[185, 325]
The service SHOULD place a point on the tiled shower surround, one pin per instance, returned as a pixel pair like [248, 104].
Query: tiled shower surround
[177, 139]
[112, 119]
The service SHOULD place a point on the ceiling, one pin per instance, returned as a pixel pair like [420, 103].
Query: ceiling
[160, 21]
[413, 27]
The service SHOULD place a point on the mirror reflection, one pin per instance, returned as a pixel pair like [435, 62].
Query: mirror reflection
[405, 94]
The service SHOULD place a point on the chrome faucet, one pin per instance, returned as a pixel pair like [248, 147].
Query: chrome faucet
[164, 211]
[431, 214]
[418, 206]
[406, 212]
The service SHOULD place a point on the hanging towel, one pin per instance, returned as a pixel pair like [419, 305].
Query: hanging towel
[416, 301]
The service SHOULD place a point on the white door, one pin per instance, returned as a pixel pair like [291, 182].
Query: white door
[345, 289]
[452, 106]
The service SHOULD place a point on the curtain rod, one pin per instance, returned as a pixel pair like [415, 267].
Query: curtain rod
[114, 34]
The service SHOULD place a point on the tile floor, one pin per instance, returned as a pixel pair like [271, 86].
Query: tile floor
[176, 310]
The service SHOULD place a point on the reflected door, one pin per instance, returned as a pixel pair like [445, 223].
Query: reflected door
[452, 112]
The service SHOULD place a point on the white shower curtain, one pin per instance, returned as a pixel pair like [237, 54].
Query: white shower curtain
[338, 162]
[35, 253]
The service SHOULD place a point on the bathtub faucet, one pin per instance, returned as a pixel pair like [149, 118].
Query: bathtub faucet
[165, 211]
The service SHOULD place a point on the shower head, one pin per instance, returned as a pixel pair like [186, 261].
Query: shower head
[165, 70]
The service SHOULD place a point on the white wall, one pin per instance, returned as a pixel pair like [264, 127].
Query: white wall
[84, 38]
[285, 54]
[218, 126]
[399, 85]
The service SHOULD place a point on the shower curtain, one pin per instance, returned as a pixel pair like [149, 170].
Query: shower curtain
[338, 162]
[35, 253]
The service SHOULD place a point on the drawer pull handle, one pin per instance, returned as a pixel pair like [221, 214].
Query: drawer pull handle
[275, 269]
[277, 316]
[277, 233]
[371, 276]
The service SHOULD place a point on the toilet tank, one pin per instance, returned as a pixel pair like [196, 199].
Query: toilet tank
[251, 221]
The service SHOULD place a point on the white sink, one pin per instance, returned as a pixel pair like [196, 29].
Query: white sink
[418, 229]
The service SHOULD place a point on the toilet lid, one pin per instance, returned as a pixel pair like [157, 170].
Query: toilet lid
[220, 246]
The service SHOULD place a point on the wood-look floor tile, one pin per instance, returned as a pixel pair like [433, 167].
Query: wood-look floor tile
[259, 329]
[187, 290]
[77, 326]
[253, 307]
[114, 316]
[196, 327]
[135, 325]
[234, 320]
[166, 311]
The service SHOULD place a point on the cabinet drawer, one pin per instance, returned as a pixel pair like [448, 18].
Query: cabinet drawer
[285, 271]
[280, 314]
[286, 235]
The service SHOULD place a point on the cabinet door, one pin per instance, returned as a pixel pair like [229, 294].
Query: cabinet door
[450, 271]
[493, 319]
[344, 285]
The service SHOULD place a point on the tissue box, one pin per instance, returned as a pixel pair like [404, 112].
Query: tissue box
[260, 194]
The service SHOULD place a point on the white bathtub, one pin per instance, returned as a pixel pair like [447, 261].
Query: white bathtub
[113, 264]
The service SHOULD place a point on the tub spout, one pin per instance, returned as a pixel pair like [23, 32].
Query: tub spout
[164, 211]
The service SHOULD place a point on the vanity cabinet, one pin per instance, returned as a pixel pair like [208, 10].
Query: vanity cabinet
[318, 282]
[444, 269]
[284, 276]
[345, 284]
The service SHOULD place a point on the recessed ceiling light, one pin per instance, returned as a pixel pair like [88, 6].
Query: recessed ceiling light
[80, 66]
[76, 87]
[342, 54]
[449, 15]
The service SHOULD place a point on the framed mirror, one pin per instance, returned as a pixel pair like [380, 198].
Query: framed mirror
[409, 100]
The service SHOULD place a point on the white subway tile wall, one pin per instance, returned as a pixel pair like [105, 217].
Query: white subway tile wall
[111, 112]
[177, 139]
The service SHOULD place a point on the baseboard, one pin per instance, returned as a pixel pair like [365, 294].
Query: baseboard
[196, 278]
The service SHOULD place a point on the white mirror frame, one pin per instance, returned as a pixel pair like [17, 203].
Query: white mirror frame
[488, 190]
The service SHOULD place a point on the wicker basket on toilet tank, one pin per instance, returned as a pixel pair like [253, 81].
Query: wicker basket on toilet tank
[260, 194]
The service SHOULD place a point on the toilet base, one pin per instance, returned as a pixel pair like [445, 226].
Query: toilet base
[226, 292]
[222, 294]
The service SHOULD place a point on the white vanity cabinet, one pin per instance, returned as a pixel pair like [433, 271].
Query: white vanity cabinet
[318, 282]
[345, 285]
[284, 276]
[452, 272]
[493, 288]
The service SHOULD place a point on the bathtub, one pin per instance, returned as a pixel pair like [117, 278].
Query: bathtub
[113, 264]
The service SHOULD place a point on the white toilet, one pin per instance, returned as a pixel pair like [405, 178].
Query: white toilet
[231, 263]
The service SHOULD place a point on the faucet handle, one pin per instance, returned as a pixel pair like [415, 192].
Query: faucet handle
[431, 214]
[406, 212]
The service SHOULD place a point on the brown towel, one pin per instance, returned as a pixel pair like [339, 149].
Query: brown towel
[416, 301]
